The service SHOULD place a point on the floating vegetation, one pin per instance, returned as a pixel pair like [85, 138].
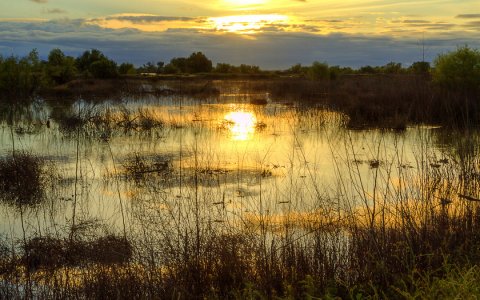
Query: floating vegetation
[23, 179]
[51, 253]
[138, 167]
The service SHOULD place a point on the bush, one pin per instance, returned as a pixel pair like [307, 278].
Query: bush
[96, 64]
[420, 68]
[20, 77]
[458, 70]
[21, 180]
[319, 71]
[60, 68]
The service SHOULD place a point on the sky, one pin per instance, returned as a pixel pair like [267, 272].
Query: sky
[273, 34]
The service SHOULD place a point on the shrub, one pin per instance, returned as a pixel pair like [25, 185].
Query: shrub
[458, 70]
[420, 68]
[60, 68]
[21, 179]
[319, 71]
[20, 77]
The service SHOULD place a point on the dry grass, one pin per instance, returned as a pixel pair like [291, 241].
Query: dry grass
[23, 179]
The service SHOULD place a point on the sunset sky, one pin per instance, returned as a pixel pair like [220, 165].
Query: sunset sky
[273, 34]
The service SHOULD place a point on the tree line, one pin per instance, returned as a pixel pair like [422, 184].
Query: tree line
[21, 77]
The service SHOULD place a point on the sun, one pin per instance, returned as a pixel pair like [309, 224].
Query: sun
[243, 3]
[241, 124]
[246, 24]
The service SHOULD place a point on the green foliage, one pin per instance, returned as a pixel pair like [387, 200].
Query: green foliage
[458, 70]
[224, 68]
[367, 70]
[127, 69]
[296, 69]
[319, 70]
[20, 78]
[249, 69]
[198, 63]
[171, 69]
[60, 68]
[457, 283]
[96, 64]
[104, 68]
[151, 67]
[177, 65]
[392, 68]
[420, 68]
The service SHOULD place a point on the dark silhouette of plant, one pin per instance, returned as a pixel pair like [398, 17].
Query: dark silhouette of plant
[20, 78]
[127, 69]
[95, 63]
[392, 68]
[60, 68]
[318, 70]
[420, 68]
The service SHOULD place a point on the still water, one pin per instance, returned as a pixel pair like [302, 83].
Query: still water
[222, 160]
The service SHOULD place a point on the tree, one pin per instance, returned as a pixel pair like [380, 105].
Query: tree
[126, 69]
[60, 68]
[103, 68]
[420, 68]
[96, 64]
[224, 68]
[392, 68]
[177, 64]
[197, 62]
[296, 69]
[84, 61]
[458, 70]
[319, 70]
[20, 78]
[249, 69]
[367, 70]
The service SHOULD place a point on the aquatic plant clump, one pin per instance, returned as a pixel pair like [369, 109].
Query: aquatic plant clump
[52, 253]
[22, 179]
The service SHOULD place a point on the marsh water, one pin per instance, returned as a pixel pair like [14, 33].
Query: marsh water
[221, 160]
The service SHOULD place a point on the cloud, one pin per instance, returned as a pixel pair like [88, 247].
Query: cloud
[40, 1]
[274, 49]
[415, 21]
[55, 11]
[149, 19]
[468, 16]
[473, 24]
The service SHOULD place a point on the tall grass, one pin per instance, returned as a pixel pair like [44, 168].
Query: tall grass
[387, 228]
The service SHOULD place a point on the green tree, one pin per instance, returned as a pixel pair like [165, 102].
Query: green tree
[60, 68]
[420, 68]
[249, 69]
[177, 65]
[20, 78]
[458, 70]
[367, 70]
[392, 68]
[103, 68]
[318, 70]
[127, 69]
[171, 69]
[224, 68]
[95, 63]
[197, 62]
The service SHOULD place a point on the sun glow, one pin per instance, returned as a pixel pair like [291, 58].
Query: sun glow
[244, 2]
[246, 24]
[241, 124]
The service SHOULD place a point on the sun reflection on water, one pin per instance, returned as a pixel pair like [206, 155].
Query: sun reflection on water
[241, 124]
